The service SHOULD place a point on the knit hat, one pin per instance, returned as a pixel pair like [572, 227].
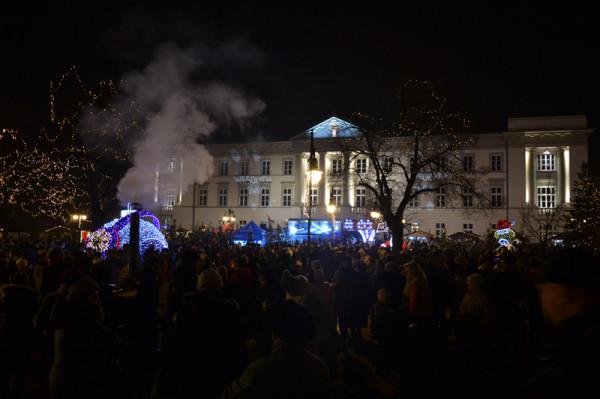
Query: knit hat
[209, 279]
[294, 285]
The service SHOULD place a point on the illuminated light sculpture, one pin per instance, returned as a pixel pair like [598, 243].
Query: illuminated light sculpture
[365, 229]
[115, 234]
[505, 234]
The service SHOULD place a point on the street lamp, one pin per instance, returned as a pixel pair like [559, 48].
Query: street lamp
[375, 215]
[314, 174]
[79, 217]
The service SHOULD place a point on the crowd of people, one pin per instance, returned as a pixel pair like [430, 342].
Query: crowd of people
[209, 319]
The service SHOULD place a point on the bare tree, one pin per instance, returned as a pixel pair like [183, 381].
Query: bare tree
[542, 224]
[415, 154]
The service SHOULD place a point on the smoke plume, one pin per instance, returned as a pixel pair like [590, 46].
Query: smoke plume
[180, 109]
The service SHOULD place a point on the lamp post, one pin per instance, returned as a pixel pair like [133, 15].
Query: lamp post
[314, 174]
[79, 217]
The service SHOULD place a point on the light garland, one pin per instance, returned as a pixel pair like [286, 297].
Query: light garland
[51, 173]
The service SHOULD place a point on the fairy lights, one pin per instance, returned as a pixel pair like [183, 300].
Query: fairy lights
[78, 158]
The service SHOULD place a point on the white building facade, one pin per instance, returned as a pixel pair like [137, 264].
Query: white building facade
[530, 167]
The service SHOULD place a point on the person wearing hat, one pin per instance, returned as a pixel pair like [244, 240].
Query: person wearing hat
[290, 370]
[569, 291]
[206, 349]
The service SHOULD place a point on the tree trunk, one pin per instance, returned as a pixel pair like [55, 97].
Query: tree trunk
[397, 233]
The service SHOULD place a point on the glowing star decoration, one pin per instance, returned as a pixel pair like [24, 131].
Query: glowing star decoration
[99, 241]
[505, 234]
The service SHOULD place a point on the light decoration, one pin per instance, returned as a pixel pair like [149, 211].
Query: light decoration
[348, 224]
[50, 173]
[505, 234]
[99, 241]
[115, 234]
[365, 229]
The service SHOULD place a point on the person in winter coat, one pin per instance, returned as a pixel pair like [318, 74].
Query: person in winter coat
[206, 350]
[290, 371]
[84, 349]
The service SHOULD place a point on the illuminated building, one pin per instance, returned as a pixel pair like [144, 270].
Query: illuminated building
[531, 165]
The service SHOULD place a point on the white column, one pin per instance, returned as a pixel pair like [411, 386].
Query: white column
[527, 175]
[566, 161]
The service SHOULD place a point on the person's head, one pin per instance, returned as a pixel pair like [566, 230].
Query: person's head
[568, 284]
[22, 264]
[383, 296]
[292, 324]
[209, 279]
[55, 256]
[475, 284]
[294, 286]
[83, 290]
[411, 270]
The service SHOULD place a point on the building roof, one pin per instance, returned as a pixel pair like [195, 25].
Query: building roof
[332, 127]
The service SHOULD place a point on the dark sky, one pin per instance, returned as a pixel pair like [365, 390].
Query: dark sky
[314, 61]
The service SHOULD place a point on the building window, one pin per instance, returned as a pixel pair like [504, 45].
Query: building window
[388, 164]
[440, 198]
[244, 168]
[548, 229]
[242, 222]
[468, 163]
[266, 167]
[314, 196]
[336, 166]
[496, 162]
[171, 166]
[336, 195]
[414, 202]
[243, 196]
[467, 197]
[170, 201]
[496, 196]
[440, 230]
[361, 165]
[223, 168]
[287, 197]
[468, 227]
[288, 166]
[202, 196]
[546, 162]
[265, 197]
[222, 197]
[546, 196]
[361, 197]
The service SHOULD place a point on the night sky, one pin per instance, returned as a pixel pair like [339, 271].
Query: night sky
[312, 61]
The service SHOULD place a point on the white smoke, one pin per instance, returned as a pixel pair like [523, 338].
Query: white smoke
[179, 111]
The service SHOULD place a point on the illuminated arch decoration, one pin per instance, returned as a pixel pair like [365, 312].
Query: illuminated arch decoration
[115, 234]
[505, 234]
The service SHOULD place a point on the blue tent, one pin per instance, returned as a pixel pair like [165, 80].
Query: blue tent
[250, 233]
